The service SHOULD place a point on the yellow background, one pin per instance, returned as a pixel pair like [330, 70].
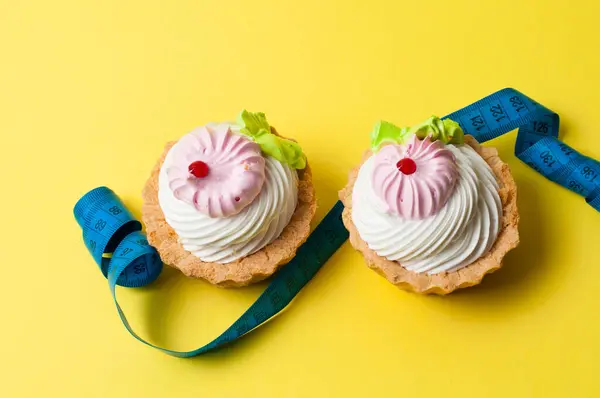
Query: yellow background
[91, 90]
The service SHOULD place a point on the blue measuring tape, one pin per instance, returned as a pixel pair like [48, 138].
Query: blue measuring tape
[120, 249]
[109, 228]
[537, 139]
[115, 240]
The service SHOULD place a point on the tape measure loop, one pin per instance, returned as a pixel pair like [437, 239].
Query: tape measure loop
[134, 262]
[123, 231]
[107, 225]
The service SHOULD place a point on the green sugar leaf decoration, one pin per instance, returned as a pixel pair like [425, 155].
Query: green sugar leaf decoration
[283, 150]
[454, 132]
[386, 132]
[255, 124]
[447, 131]
[256, 127]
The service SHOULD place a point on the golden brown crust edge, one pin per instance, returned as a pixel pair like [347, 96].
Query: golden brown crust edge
[242, 272]
[444, 283]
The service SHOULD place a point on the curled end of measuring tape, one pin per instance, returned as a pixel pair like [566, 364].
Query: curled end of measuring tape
[115, 241]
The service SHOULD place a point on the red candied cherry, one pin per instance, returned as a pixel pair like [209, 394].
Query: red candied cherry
[406, 166]
[198, 169]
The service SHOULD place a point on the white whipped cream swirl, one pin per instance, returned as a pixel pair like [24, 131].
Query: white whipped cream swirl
[226, 239]
[454, 237]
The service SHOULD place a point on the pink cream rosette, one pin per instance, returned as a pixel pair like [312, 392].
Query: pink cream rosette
[217, 171]
[416, 179]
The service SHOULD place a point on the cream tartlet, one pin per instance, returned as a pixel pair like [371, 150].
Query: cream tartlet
[429, 208]
[229, 202]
